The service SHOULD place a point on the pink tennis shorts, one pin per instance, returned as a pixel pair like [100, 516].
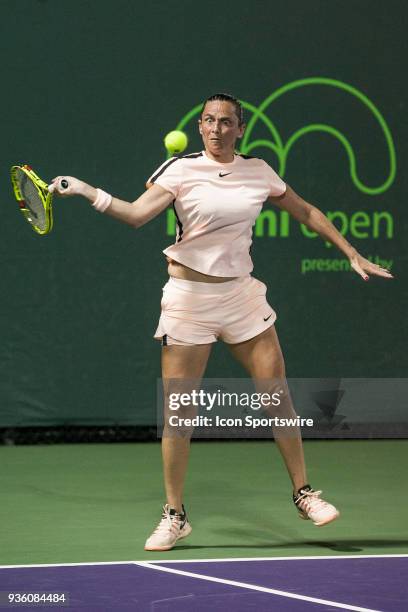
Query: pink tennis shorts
[200, 313]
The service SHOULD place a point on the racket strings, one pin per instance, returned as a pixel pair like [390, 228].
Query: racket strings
[32, 200]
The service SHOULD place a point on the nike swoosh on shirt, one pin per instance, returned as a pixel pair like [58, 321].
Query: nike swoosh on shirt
[226, 174]
[268, 317]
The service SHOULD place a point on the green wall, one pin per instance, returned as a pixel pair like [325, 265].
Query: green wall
[90, 88]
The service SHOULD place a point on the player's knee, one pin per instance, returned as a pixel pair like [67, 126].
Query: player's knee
[276, 397]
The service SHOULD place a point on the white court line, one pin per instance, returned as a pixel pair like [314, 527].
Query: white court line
[225, 560]
[309, 558]
[254, 587]
[67, 564]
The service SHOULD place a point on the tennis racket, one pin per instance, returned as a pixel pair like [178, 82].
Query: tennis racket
[33, 197]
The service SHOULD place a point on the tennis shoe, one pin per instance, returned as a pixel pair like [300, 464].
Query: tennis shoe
[172, 527]
[311, 506]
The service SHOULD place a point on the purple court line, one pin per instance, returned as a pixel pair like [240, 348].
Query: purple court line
[375, 583]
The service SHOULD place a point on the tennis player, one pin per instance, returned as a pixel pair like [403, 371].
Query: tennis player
[217, 195]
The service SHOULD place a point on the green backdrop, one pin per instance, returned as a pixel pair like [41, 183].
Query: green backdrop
[90, 88]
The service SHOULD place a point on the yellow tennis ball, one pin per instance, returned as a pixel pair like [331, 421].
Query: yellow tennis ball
[175, 142]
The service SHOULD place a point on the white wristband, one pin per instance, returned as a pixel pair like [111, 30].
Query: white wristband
[103, 200]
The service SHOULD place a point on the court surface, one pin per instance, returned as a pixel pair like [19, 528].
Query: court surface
[284, 584]
[74, 518]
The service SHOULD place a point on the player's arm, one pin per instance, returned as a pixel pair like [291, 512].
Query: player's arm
[150, 204]
[315, 220]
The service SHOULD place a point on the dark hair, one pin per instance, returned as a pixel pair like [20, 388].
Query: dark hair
[224, 97]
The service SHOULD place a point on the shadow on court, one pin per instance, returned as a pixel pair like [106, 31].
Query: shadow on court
[340, 545]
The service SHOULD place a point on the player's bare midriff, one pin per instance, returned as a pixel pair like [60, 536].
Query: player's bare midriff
[179, 270]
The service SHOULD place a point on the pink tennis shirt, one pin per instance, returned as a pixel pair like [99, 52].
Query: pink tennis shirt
[216, 206]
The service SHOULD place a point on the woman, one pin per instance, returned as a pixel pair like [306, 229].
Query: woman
[217, 196]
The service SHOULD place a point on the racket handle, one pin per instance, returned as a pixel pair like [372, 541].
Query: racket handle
[64, 184]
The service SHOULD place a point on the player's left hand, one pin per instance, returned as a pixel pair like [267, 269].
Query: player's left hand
[364, 267]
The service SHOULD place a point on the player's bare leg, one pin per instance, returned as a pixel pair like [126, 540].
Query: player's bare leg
[185, 363]
[182, 370]
[262, 358]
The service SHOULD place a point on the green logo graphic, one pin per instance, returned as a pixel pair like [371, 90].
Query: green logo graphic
[360, 224]
[282, 149]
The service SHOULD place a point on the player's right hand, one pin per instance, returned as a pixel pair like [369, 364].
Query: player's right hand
[67, 186]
